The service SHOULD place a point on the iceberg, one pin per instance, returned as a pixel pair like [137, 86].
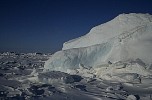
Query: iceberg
[125, 38]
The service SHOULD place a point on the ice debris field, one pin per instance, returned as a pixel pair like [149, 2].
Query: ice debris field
[111, 62]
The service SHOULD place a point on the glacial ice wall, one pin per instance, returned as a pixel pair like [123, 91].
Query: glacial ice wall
[71, 58]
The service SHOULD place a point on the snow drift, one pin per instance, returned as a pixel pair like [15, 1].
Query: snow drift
[125, 38]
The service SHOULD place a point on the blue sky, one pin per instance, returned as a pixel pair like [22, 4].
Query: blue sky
[44, 25]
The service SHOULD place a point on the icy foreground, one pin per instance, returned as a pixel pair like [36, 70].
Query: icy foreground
[22, 78]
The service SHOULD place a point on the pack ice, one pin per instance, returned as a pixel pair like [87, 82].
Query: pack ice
[124, 43]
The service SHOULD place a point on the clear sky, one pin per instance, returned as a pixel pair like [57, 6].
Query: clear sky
[44, 25]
